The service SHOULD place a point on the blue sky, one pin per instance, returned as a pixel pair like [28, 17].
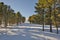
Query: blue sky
[26, 7]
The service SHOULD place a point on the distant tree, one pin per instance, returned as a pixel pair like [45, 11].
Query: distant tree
[19, 17]
[23, 19]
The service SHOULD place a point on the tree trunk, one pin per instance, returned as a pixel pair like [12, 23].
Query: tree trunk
[50, 18]
[43, 18]
[55, 17]
[5, 16]
[57, 30]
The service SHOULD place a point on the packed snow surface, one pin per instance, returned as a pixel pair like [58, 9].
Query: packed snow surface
[28, 32]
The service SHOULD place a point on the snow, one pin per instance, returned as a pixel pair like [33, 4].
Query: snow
[28, 32]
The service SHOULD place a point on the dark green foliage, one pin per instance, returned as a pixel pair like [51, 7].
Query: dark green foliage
[8, 16]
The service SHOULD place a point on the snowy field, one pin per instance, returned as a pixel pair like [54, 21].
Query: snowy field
[28, 32]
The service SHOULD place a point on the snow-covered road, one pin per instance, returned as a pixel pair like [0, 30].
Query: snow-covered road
[25, 32]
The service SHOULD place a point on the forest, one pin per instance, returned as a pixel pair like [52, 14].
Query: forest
[8, 15]
[47, 13]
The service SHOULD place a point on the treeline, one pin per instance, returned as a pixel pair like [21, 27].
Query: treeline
[48, 13]
[8, 16]
[35, 19]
